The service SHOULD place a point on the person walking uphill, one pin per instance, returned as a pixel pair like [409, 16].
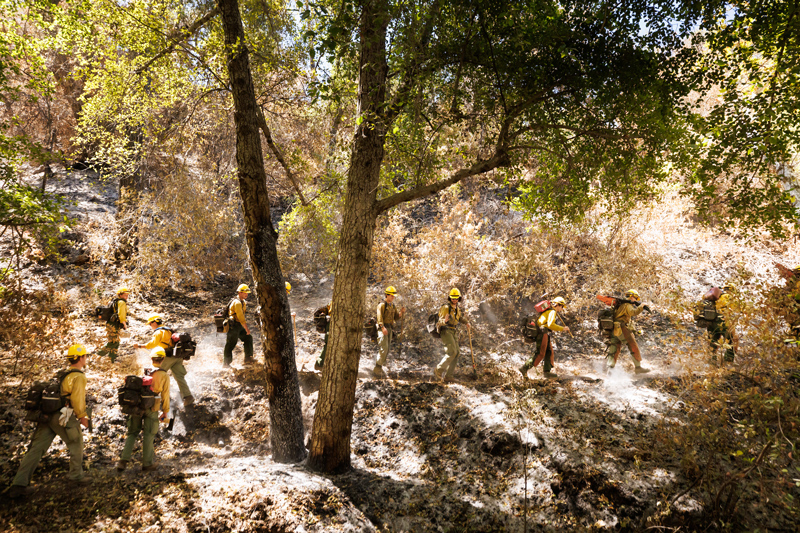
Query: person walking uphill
[66, 424]
[543, 345]
[450, 316]
[147, 423]
[237, 328]
[622, 333]
[719, 329]
[118, 321]
[387, 315]
[162, 338]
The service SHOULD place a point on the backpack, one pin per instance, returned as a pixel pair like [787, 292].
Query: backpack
[530, 328]
[185, 347]
[371, 329]
[433, 319]
[221, 318]
[44, 397]
[706, 313]
[321, 319]
[108, 313]
[136, 396]
[605, 320]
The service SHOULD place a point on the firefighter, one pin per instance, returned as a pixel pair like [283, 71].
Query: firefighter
[450, 316]
[147, 423]
[237, 328]
[117, 322]
[162, 337]
[718, 329]
[543, 345]
[622, 335]
[66, 424]
[387, 316]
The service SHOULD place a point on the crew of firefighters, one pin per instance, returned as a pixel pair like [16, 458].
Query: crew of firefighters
[617, 327]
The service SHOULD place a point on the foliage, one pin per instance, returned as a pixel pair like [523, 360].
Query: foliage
[27, 216]
[738, 446]
[743, 144]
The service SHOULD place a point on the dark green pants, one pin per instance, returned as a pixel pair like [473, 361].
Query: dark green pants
[721, 335]
[236, 333]
[72, 435]
[147, 424]
[542, 350]
[321, 359]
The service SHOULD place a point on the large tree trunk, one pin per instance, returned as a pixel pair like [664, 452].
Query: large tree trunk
[286, 422]
[333, 420]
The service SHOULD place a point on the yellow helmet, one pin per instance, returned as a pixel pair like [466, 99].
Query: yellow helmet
[455, 294]
[729, 286]
[243, 288]
[288, 287]
[158, 353]
[390, 290]
[559, 301]
[154, 318]
[634, 294]
[796, 268]
[123, 290]
[75, 351]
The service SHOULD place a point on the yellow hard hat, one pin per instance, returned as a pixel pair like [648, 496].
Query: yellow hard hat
[154, 318]
[559, 301]
[633, 293]
[123, 290]
[729, 286]
[158, 353]
[243, 288]
[796, 268]
[390, 290]
[455, 294]
[75, 351]
[288, 287]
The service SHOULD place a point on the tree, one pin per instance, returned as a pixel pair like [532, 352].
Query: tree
[743, 146]
[576, 91]
[286, 421]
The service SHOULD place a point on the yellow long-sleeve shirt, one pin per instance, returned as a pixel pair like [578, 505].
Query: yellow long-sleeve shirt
[626, 312]
[161, 386]
[122, 312]
[237, 310]
[387, 314]
[74, 386]
[450, 317]
[548, 320]
[162, 338]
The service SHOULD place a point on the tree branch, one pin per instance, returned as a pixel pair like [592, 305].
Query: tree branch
[276, 151]
[177, 36]
[499, 159]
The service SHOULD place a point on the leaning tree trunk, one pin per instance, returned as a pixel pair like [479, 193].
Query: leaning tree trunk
[286, 422]
[333, 420]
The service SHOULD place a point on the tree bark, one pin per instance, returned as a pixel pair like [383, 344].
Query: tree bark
[333, 420]
[286, 422]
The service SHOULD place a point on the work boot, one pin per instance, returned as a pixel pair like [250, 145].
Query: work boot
[149, 468]
[437, 373]
[249, 362]
[550, 375]
[524, 371]
[188, 401]
[378, 372]
[17, 491]
[122, 464]
[641, 370]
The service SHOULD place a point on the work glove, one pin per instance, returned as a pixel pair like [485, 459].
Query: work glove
[66, 412]
[646, 308]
